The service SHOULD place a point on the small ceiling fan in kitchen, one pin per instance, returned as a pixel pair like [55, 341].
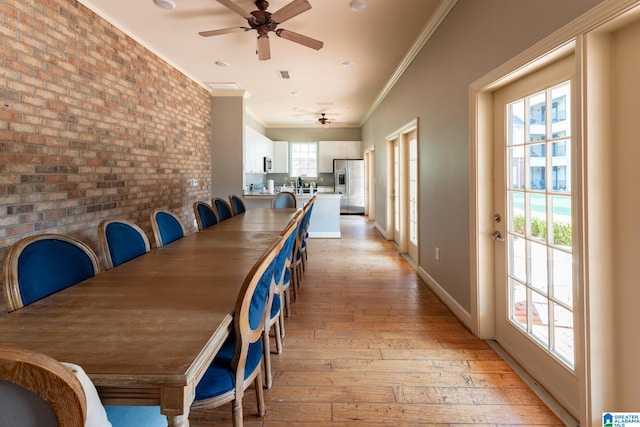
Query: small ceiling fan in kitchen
[265, 22]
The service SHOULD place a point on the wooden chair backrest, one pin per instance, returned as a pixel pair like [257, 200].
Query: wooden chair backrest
[40, 265]
[284, 199]
[252, 308]
[48, 379]
[237, 205]
[158, 233]
[205, 214]
[222, 208]
[117, 249]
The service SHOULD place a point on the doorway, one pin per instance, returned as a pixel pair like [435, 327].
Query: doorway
[403, 190]
[533, 254]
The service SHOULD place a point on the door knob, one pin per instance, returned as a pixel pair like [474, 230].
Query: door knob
[497, 236]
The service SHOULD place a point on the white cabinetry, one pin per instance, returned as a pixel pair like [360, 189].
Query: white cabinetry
[329, 150]
[280, 157]
[256, 148]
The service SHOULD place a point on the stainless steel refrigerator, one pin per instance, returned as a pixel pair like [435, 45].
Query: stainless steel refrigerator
[349, 181]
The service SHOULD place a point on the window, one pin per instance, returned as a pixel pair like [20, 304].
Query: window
[304, 159]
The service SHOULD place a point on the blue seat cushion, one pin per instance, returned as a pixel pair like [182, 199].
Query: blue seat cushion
[219, 377]
[48, 266]
[124, 242]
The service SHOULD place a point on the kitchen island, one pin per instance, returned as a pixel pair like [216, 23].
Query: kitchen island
[325, 216]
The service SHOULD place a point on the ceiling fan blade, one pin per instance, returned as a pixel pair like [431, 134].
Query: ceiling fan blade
[237, 9]
[299, 38]
[264, 51]
[288, 11]
[222, 31]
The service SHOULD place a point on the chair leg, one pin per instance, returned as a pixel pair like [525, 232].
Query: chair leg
[266, 356]
[260, 395]
[278, 335]
[281, 320]
[236, 410]
[287, 300]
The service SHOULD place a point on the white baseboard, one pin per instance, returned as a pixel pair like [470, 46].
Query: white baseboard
[463, 315]
[380, 230]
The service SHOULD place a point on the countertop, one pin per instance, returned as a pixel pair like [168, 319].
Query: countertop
[260, 193]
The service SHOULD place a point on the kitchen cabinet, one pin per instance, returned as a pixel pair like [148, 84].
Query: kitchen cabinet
[280, 157]
[256, 148]
[329, 150]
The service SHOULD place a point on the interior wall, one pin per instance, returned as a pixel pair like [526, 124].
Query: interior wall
[474, 38]
[92, 125]
[227, 118]
[626, 221]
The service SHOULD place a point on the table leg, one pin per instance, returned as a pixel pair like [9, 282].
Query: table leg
[178, 421]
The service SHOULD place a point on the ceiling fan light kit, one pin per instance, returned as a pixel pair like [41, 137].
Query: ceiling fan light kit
[264, 22]
[165, 4]
[358, 5]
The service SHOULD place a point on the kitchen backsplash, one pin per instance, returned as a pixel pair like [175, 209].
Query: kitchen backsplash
[259, 180]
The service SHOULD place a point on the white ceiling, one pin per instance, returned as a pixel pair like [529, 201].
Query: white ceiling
[376, 40]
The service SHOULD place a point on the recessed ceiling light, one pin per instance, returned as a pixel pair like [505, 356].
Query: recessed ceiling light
[347, 64]
[165, 4]
[222, 64]
[357, 5]
[295, 93]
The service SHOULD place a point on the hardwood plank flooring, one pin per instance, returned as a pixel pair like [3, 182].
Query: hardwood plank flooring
[368, 344]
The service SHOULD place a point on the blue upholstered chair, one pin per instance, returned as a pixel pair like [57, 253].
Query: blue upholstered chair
[40, 265]
[284, 199]
[222, 208]
[297, 268]
[237, 205]
[121, 241]
[205, 215]
[238, 363]
[166, 227]
[305, 234]
[281, 281]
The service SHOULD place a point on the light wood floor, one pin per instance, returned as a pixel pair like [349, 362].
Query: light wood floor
[368, 344]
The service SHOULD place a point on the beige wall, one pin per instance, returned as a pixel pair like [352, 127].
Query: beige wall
[474, 38]
[625, 146]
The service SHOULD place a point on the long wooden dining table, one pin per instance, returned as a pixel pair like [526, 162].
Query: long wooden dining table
[146, 331]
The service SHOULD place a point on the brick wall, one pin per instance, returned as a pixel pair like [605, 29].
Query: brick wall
[92, 125]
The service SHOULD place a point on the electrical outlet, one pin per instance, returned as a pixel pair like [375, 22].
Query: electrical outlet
[437, 254]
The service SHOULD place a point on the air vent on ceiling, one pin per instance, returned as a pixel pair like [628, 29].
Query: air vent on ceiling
[284, 74]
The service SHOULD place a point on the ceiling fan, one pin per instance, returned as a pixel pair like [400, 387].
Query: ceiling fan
[323, 119]
[264, 22]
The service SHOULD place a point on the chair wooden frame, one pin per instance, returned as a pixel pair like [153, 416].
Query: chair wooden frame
[104, 241]
[276, 320]
[196, 213]
[284, 194]
[305, 236]
[49, 379]
[157, 235]
[246, 335]
[233, 202]
[10, 279]
[214, 204]
[297, 266]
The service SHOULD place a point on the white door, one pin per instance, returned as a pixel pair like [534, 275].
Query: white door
[533, 213]
[396, 193]
[412, 247]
